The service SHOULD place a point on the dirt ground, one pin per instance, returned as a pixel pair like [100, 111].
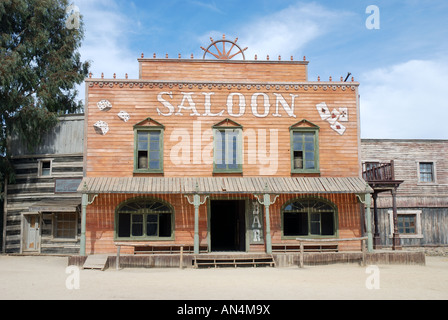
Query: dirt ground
[45, 278]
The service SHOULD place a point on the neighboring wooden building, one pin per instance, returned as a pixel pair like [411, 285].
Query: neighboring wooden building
[42, 206]
[422, 195]
[220, 155]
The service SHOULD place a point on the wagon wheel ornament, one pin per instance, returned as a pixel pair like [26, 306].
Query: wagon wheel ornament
[223, 54]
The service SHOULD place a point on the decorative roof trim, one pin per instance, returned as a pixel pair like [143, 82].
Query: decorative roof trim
[275, 86]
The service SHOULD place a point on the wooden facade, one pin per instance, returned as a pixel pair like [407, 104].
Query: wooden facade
[422, 196]
[42, 206]
[168, 124]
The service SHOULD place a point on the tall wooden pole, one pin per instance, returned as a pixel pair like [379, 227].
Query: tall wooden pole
[84, 202]
[396, 245]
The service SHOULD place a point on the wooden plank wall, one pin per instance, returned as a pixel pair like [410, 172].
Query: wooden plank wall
[220, 70]
[66, 138]
[64, 145]
[29, 189]
[434, 228]
[112, 154]
[406, 155]
[101, 215]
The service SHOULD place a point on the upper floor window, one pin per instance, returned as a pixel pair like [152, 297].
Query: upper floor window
[304, 147]
[148, 154]
[44, 168]
[426, 172]
[228, 147]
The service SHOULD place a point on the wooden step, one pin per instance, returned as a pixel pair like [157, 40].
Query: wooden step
[233, 261]
[97, 262]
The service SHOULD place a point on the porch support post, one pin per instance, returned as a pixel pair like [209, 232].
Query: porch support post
[84, 203]
[368, 202]
[196, 203]
[267, 203]
[366, 199]
[396, 245]
[376, 234]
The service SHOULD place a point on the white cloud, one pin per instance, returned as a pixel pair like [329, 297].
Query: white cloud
[286, 32]
[106, 40]
[406, 100]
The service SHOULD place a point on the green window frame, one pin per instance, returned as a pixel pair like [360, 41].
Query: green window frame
[227, 149]
[148, 148]
[304, 149]
[144, 219]
[313, 218]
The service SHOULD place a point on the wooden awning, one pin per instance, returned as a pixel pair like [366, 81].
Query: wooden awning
[56, 205]
[223, 185]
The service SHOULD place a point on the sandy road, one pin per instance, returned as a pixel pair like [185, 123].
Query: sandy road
[45, 278]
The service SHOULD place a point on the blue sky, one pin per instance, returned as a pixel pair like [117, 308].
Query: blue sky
[402, 66]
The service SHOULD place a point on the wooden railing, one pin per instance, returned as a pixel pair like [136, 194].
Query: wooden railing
[303, 240]
[378, 171]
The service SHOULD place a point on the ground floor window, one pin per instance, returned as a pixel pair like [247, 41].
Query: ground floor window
[65, 225]
[144, 219]
[408, 223]
[309, 217]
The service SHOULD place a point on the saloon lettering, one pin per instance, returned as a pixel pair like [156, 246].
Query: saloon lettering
[236, 105]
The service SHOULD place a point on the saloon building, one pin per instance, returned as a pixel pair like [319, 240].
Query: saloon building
[221, 154]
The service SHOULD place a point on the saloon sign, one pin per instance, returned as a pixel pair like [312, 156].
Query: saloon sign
[237, 106]
[260, 105]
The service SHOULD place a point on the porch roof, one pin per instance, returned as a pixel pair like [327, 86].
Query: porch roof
[56, 205]
[223, 185]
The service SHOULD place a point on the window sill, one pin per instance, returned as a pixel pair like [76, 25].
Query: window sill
[408, 236]
[427, 184]
[238, 171]
[137, 239]
[317, 237]
[148, 171]
[305, 172]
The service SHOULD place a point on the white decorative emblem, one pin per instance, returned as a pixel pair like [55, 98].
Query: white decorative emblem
[101, 127]
[104, 105]
[334, 118]
[123, 115]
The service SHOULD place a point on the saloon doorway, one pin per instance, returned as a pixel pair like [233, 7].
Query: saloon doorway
[227, 225]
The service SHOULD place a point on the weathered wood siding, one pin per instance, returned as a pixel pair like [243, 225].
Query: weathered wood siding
[434, 228]
[66, 138]
[64, 146]
[188, 140]
[189, 97]
[101, 217]
[430, 199]
[220, 70]
[406, 155]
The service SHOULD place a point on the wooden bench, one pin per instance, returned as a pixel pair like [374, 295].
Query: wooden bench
[288, 248]
[328, 241]
[149, 248]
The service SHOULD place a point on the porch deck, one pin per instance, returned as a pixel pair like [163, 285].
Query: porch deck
[282, 260]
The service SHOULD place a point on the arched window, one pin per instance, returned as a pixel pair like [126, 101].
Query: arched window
[309, 217]
[144, 219]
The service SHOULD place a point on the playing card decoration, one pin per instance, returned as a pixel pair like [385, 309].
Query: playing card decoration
[323, 110]
[334, 118]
